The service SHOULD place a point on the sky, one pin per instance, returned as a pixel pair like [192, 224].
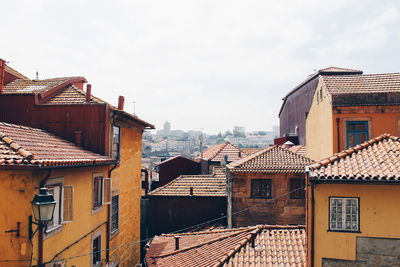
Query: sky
[201, 65]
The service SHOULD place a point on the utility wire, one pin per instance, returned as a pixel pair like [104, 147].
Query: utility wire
[183, 229]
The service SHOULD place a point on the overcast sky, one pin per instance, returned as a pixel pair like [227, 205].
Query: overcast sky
[199, 64]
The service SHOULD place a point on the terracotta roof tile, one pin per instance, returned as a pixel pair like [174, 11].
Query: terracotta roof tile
[72, 95]
[213, 185]
[21, 86]
[273, 159]
[337, 69]
[299, 149]
[273, 246]
[20, 145]
[250, 151]
[217, 152]
[375, 160]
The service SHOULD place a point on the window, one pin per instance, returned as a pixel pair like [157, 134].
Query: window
[114, 213]
[101, 191]
[261, 188]
[56, 191]
[116, 142]
[296, 188]
[68, 207]
[97, 191]
[96, 251]
[344, 214]
[356, 132]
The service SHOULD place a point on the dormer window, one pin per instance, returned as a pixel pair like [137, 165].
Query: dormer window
[116, 142]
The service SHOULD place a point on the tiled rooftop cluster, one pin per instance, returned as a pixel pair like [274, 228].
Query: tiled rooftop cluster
[273, 159]
[261, 245]
[20, 145]
[213, 185]
[72, 95]
[25, 86]
[375, 160]
[217, 152]
[299, 149]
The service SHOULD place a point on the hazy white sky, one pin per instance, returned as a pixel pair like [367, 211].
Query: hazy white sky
[199, 64]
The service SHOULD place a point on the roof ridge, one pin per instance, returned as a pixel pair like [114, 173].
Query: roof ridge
[347, 152]
[16, 147]
[223, 145]
[203, 243]
[249, 157]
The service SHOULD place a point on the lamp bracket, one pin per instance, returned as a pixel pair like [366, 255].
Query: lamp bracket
[16, 230]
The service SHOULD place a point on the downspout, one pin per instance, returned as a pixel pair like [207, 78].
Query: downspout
[338, 134]
[312, 211]
[108, 227]
[229, 197]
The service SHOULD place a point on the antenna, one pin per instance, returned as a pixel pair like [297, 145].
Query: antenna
[37, 75]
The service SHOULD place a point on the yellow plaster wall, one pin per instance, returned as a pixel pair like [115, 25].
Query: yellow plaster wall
[379, 217]
[17, 190]
[127, 183]
[319, 127]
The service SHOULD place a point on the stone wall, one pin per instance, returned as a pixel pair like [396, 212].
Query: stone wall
[282, 210]
[371, 251]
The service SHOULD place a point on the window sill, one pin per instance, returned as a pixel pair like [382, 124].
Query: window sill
[344, 231]
[97, 209]
[53, 231]
[114, 234]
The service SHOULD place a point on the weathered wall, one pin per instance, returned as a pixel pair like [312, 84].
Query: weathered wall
[319, 126]
[167, 214]
[126, 182]
[280, 211]
[18, 189]
[379, 216]
[171, 169]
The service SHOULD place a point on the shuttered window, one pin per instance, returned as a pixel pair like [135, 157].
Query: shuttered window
[97, 191]
[106, 190]
[68, 203]
[261, 188]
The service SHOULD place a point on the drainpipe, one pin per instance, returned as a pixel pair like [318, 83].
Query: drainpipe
[310, 226]
[229, 198]
[338, 134]
[108, 226]
[2, 73]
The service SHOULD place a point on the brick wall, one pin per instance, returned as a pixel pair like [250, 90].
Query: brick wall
[280, 211]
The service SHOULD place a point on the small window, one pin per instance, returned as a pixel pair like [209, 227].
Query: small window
[344, 214]
[261, 188]
[116, 142]
[96, 251]
[56, 191]
[296, 188]
[356, 132]
[68, 212]
[114, 213]
[97, 191]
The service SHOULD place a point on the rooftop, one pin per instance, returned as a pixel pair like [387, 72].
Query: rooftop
[377, 160]
[272, 246]
[217, 152]
[213, 185]
[273, 159]
[25, 146]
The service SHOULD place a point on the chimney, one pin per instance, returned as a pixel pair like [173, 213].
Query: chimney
[121, 101]
[78, 138]
[177, 237]
[88, 92]
[2, 67]
[191, 191]
[253, 239]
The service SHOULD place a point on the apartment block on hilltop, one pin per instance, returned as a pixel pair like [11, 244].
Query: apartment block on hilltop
[61, 107]
[353, 211]
[297, 103]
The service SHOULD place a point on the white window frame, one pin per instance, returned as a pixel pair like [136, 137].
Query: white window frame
[95, 236]
[101, 176]
[114, 231]
[354, 215]
[59, 205]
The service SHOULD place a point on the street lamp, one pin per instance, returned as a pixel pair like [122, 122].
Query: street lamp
[43, 205]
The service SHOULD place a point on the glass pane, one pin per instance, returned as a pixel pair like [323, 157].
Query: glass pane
[362, 137]
[351, 139]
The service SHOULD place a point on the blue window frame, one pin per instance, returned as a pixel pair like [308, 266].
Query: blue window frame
[356, 133]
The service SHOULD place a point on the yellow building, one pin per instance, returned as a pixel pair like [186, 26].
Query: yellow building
[349, 109]
[352, 207]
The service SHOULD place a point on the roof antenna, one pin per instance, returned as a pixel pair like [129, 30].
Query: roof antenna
[37, 75]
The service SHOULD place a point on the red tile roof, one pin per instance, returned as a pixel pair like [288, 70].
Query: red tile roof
[273, 159]
[217, 152]
[72, 95]
[250, 151]
[21, 86]
[25, 146]
[376, 160]
[273, 246]
[213, 185]
[341, 70]
[299, 149]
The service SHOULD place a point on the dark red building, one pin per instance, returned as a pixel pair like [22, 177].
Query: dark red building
[173, 167]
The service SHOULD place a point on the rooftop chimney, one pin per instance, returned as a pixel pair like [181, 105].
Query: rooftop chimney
[287, 144]
[177, 237]
[121, 101]
[253, 239]
[88, 92]
[78, 138]
[2, 67]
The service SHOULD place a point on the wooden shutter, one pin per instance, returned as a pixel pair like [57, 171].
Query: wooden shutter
[68, 206]
[106, 190]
